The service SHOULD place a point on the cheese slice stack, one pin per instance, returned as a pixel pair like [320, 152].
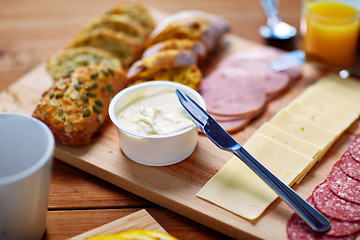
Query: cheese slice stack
[288, 145]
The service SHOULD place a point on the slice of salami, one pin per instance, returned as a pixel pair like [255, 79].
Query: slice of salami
[333, 206]
[350, 166]
[354, 148]
[342, 185]
[233, 92]
[297, 229]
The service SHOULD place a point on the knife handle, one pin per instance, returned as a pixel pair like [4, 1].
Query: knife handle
[309, 214]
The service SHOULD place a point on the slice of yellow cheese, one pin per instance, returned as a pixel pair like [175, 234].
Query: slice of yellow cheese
[303, 129]
[317, 118]
[333, 96]
[238, 189]
[322, 106]
[283, 137]
[344, 88]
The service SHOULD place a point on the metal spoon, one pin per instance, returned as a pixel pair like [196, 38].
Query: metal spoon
[275, 28]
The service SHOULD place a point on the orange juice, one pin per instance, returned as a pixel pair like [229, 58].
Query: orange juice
[332, 30]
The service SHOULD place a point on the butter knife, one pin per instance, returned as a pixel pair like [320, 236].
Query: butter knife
[298, 57]
[224, 141]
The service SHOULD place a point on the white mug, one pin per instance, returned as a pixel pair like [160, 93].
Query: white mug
[26, 155]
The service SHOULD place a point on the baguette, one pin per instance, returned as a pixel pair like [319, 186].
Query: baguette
[196, 47]
[190, 76]
[76, 106]
[166, 59]
[193, 25]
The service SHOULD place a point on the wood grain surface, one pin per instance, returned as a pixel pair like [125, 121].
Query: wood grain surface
[32, 30]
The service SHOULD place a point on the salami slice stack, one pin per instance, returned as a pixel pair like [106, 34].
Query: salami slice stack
[238, 90]
[338, 198]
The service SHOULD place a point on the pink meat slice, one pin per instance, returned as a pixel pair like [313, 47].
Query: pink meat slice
[350, 166]
[342, 185]
[275, 82]
[235, 125]
[233, 92]
[354, 148]
[297, 229]
[335, 207]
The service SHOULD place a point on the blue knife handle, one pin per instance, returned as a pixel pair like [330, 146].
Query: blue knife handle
[313, 217]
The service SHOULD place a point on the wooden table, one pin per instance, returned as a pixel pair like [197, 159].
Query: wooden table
[32, 30]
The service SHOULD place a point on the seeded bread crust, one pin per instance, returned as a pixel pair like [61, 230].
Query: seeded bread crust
[68, 60]
[126, 48]
[77, 105]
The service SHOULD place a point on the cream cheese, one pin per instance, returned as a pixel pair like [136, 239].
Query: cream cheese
[156, 114]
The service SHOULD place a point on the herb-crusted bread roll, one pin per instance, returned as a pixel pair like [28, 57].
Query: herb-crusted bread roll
[126, 48]
[77, 105]
[68, 60]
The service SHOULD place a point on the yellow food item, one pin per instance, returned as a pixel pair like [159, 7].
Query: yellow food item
[332, 30]
[135, 235]
[190, 76]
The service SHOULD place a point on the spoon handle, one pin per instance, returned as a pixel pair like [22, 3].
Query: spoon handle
[271, 11]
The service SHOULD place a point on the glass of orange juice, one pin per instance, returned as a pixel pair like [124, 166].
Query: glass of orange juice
[330, 30]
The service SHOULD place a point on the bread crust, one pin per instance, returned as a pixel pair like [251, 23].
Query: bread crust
[166, 59]
[77, 105]
[190, 76]
[126, 48]
[118, 23]
[137, 12]
[193, 25]
[197, 47]
[67, 60]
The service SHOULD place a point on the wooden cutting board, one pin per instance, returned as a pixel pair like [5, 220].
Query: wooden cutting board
[175, 187]
[137, 220]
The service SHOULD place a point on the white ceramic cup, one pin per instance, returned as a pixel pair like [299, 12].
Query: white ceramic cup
[26, 153]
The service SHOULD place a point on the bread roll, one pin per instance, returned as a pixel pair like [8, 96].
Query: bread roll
[163, 60]
[193, 25]
[77, 105]
[196, 47]
[190, 76]
[68, 60]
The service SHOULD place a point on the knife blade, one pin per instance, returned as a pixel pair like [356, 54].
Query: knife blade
[225, 141]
